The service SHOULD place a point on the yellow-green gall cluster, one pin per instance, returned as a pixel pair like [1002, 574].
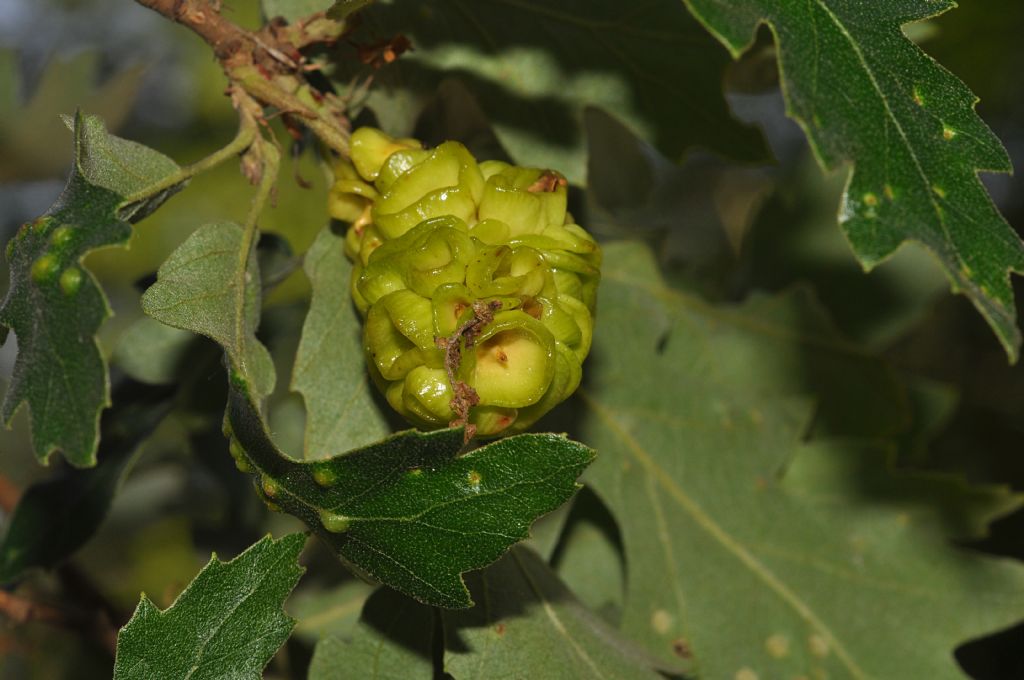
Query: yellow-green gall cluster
[476, 287]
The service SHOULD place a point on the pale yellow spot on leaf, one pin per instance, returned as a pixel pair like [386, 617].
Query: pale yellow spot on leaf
[661, 621]
[777, 646]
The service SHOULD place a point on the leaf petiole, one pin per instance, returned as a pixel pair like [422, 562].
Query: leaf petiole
[271, 159]
[242, 141]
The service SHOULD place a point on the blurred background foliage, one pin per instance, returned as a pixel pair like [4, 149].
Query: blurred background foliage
[721, 228]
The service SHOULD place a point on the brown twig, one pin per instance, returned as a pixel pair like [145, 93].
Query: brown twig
[22, 610]
[225, 37]
[94, 616]
[267, 64]
[9, 495]
[95, 625]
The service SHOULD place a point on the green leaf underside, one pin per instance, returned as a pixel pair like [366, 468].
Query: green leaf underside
[836, 566]
[330, 372]
[227, 623]
[393, 640]
[327, 612]
[406, 511]
[535, 66]
[867, 95]
[152, 352]
[589, 558]
[528, 624]
[57, 516]
[205, 287]
[55, 306]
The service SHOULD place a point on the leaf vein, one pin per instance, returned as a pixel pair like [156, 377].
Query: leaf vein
[721, 536]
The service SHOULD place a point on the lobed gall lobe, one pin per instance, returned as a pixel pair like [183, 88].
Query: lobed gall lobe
[476, 287]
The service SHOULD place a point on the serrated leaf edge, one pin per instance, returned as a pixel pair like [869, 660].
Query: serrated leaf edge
[1000, 318]
[146, 608]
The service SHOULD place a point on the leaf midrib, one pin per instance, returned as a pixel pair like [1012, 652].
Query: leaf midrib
[556, 621]
[895, 121]
[416, 517]
[224, 620]
[731, 544]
